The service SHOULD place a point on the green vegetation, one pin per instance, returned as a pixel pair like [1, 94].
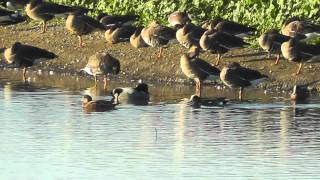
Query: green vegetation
[263, 14]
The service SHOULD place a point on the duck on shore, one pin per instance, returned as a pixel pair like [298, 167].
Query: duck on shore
[10, 17]
[236, 76]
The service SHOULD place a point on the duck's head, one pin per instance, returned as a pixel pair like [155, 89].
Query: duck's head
[299, 93]
[195, 101]
[291, 19]
[86, 99]
[142, 87]
[194, 51]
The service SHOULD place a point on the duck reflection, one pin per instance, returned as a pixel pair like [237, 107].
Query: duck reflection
[97, 91]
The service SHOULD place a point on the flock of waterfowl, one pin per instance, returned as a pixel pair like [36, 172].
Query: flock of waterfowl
[216, 36]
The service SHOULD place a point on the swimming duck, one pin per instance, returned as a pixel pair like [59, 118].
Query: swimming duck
[295, 26]
[301, 53]
[119, 33]
[236, 76]
[96, 106]
[230, 27]
[136, 39]
[196, 101]
[271, 42]
[102, 64]
[178, 19]
[44, 11]
[24, 56]
[189, 35]
[299, 93]
[80, 24]
[197, 69]
[138, 95]
[111, 20]
[156, 35]
[10, 17]
[219, 42]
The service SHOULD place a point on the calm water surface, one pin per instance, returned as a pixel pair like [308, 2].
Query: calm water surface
[45, 134]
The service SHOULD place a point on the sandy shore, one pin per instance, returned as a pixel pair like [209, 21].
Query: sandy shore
[143, 63]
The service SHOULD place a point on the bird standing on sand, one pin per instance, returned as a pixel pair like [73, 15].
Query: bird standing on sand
[271, 42]
[197, 69]
[301, 53]
[24, 56]
[80, 24]
[219, 42]
[45, 11]
[156, 35]
[102, 64]
[235, 76]
[89, 105]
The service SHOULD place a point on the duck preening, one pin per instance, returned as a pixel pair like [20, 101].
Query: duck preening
[235, 76]
[24, 56]
[138, 95]
[102, 64]
[96, 106]
[271, 42]
[295, 26]
[80, 24]
[196, 101]
[10, 17]
[189, 35]
[197, 69]
[136, 39]
[219, 42]
[178, 19]
[44, 11]
[301, 53]
[156, 35]
[119, 33]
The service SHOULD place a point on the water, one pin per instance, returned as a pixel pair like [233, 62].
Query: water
[45, 134]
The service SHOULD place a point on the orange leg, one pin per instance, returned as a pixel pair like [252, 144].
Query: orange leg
[105, 83]
[24, 72]
[278, 58]
[44, 27]
[299, 69]
[80, 42]
[95, 81]
[160, 52]
[218, 59]
[240, 93]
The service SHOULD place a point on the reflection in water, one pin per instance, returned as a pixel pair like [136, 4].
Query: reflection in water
[44, 133]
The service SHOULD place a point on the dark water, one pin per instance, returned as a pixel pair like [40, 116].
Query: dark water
[45, 134]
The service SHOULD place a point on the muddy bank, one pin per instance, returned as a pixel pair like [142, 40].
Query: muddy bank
[142, 63]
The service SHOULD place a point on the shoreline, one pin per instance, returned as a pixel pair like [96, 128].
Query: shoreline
[142, 63]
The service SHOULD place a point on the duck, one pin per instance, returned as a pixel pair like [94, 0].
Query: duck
[138, 95]
[89, 105]
[219, 42]
[300, 93]
[39, 10]
[271, 41]
[230, 27]
[15, 4]
[196, 101]
[24, 56]
[80, 24]
[299, 52]
[119, 33]
[136, 39]
[111, 20]
[102, 64]
[189, 35]
[10, 17]
[156, 35]
[178, 19]
[197, 69]
[295, 26]
[236, 76]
